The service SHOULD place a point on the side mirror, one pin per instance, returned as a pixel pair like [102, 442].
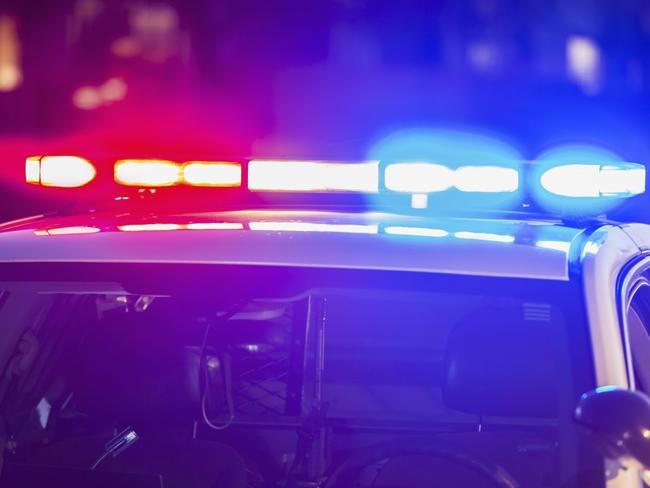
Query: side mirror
[620, 421]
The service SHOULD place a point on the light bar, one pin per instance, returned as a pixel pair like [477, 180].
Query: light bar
[593, 180]
[206, 173]
[147, 172]
[421, 178]
[59, 171]
[313, 176]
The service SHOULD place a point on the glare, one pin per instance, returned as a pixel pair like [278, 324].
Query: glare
[60, 231]
[418, 177]
[488, 179]
[583, 61]
[11, 75]
[146, 172]
[313, 227]
[214, 226]
[205, 173]
[113, 90]
[87, 98]
[61, 171]
[313, 176]
[591, 247]
[416, 231]
[149, 227]
[482, 236]
[563, 246]
[593, 180]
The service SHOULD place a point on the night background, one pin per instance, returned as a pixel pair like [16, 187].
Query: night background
[316, 79]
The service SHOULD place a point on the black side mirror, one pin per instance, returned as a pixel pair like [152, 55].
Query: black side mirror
[620, 421]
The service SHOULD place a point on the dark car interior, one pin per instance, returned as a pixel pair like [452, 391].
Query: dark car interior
[331, 388]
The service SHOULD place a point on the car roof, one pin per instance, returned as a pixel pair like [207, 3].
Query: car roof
[329, 239]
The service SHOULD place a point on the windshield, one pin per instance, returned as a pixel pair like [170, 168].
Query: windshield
[234, 377]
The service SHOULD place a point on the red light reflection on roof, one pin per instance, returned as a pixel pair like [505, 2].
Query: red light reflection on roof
[61, 231]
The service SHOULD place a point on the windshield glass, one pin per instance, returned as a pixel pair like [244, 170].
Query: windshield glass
[233, 377]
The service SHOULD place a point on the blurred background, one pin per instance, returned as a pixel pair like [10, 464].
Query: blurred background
[316, 78]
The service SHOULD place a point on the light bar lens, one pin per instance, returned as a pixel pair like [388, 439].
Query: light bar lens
[313, 176]
[486, 179]
[430, 177]
[147, 172]
[59, 171]
[33, 170]
[418, 177]
[593, 180]
[204, 173]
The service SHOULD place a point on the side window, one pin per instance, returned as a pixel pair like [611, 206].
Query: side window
[638, 322]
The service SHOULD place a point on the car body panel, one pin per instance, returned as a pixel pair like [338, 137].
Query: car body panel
[482, 247]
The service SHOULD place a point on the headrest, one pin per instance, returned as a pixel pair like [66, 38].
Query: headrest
[138, 367]
[496, 363]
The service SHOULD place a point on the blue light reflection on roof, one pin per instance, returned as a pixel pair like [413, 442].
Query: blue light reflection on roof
[415, 231]
[484, 236]
[563, 246]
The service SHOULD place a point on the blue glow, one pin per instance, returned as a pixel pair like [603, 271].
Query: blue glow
[447, 147]
[579, 180]
[488, 178]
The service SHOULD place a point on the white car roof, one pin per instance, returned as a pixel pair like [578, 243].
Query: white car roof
[466, 246]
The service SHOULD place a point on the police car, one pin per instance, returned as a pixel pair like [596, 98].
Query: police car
[321, 324]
